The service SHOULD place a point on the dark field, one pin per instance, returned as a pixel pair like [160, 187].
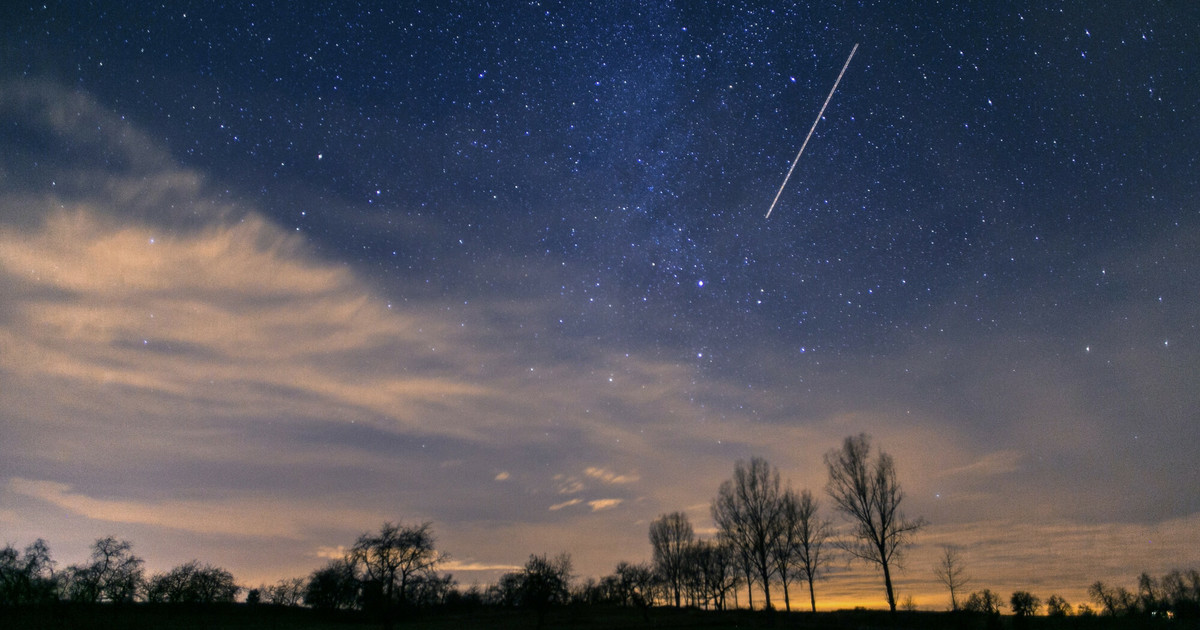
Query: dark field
[264, 617]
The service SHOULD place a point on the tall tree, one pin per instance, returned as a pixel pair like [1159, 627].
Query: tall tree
[747, 512]
[949, 571]
[671, 536]
[392, 557]
[866, 491]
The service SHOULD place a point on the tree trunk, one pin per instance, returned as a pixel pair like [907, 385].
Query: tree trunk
[787, 600]
[887, 580]
[766, 578]
[812, 595]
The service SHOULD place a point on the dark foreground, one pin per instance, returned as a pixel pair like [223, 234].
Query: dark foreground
[264, 617]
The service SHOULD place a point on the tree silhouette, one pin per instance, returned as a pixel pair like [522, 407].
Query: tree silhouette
[808, 533]
[949, 571]
[193, 583]
[542, 583]
[1113, 601]
[112, 574]
[984, 601]
[1057, 606]
[285, 592]
[392, 557]
[671, 536]
[1024, 603]
[747, 512]
[334, 587]
[867, 492]
[27, 578]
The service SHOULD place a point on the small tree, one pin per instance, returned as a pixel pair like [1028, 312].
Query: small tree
[867, 492]
[635, 585]
[1024, 603]
[812, 532]
[949, 571]
[1113, 601]
[544, 582]
[671, 535]
[715, 566]
[334, 587]
[984, 601]
[286, 592]
[1057, 606]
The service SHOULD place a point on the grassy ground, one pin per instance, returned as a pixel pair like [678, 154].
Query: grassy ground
[262, 617]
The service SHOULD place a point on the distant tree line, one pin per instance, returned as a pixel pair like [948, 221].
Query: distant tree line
[1175, 595]
[769, 536]
[111, 574]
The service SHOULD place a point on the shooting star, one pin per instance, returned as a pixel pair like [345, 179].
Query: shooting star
[812, 129]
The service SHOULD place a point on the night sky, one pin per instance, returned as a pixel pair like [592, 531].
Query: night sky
[274, 273]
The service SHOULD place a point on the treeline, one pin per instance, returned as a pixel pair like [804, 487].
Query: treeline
[769, 536]
[111, 574]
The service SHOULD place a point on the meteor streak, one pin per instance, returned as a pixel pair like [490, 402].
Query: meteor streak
[812, 129]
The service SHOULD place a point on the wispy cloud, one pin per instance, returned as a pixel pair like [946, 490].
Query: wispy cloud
[565, 504]
[239, 516]
[464, 566]
[604, 504]
[610, 477]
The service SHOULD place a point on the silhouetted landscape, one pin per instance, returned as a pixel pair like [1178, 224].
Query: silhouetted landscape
[595, 313]
[769, 537]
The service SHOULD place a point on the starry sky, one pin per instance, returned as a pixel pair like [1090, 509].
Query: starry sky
[274, 273]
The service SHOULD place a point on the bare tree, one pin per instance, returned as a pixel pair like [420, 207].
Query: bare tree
[334, 587]
[717, 564]
[949, 571]
[392, 557]
[984, 601]
[543, 582]
[1114, 601]
[671, 536]
[747, 512]
[286, 592]
[27, 579]
[867, 492]
[192, 583]
[112, 574]
[785, 547]
[812, 532]
[1057, 606]
[1024, 603]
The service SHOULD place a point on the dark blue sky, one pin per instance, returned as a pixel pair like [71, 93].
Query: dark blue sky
[990, 238]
